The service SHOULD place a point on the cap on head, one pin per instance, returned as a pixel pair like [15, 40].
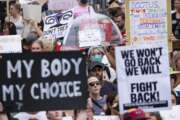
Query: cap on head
[92, 65]
[92, 79]
[134, 114]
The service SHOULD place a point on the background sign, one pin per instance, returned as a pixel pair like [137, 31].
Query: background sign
[56, 25]
[143, 77]
[10, 44]
[43, 81]
[148, 20]
[62, 4]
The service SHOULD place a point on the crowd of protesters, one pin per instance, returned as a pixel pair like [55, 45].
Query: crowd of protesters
[102, 80]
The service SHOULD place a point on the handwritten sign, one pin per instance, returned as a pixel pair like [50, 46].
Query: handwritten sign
[29, 82]
[90, 37]
[10, 44]
[56, 25]
[62, 4]
[148, 20]
[143, 76]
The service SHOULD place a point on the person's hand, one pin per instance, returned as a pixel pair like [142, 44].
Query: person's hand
[172, 37]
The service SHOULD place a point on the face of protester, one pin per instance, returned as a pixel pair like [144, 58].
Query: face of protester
[119, 22]
[98, 72]
[96, 55]
[13, 10]
[47, 47]
[94, 86]
[177, 5]
[54, 115]
[36, 47]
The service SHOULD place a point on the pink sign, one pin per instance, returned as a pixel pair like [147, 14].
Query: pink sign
[62, 4]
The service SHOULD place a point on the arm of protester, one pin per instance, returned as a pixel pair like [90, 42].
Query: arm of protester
[3, 116]
[172, 37]
[110, 58]
[37, 28]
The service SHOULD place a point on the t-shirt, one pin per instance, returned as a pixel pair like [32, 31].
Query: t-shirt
[175, 26]
[80, 10]
[97, 110]
[18, 23]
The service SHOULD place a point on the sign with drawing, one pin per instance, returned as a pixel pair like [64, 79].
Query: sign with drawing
[57, 24]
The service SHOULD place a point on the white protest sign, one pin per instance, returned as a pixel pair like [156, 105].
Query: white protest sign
[67, 118]
[57, 24]
[32, 12]
[10, 44]
[143, 76]
[26, 1]
[173, 114]
[147, 20]
[105, 117]
[89, 37]
[62, 4]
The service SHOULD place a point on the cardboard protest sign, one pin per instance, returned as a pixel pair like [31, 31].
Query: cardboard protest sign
[148, 20]
[173, 114]
[106, 117]
[56, 25]
[32, 12]
[90, 37]
[62, 4]
[10, 44]
[43, 81]
[143, 77]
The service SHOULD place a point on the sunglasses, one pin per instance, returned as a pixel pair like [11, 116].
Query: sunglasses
[94, 83]
[35, 48]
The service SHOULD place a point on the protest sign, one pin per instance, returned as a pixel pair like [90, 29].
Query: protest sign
[67, 118]
[10, 44]
[173, 114]
[148, 20]
[43, 81]
[57, 24]
[90, 37]
[143, 76]
[62, 4]
[26, 1]
[105, 117]
[32, 12]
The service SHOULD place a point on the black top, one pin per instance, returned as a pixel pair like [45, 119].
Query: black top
[175, 26]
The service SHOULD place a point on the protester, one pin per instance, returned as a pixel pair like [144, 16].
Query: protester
[135, 114]
[82, 8]
[155, 116]
[176, 19]
[99, 102]
[9, 28]
[16, 17]
[55, 115]
[112, 105]
[37, 46]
